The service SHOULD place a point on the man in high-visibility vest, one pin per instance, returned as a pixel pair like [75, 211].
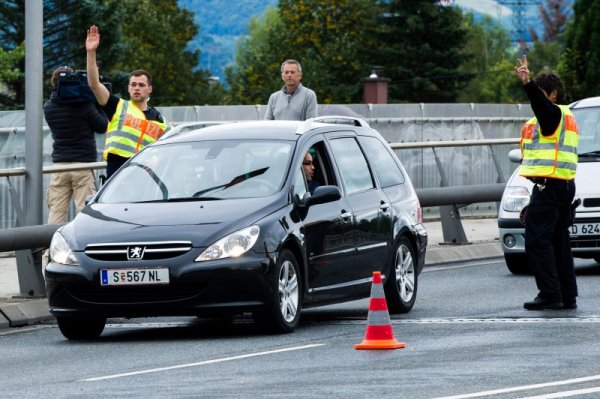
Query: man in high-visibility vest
[549, 149]
[132, 123]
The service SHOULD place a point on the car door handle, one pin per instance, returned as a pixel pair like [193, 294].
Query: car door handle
[346, 215]
[384, 206]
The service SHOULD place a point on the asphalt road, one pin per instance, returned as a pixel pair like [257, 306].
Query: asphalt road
[467, 337]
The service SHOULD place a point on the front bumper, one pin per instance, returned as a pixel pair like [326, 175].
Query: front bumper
[512, 239]
[227, 286]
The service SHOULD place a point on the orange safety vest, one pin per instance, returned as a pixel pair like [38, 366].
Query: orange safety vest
[129, 131]
[553, 156]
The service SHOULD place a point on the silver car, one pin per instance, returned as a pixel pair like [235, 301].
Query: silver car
[585, 232]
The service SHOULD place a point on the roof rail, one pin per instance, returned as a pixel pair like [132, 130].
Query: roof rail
[335, 119]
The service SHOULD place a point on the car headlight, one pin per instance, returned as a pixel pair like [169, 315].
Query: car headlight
[232, 245]
[60, 252]
[515, 198]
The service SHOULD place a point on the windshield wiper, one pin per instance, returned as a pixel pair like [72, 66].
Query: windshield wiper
[590, 154]
[181, 199]
[233, 182]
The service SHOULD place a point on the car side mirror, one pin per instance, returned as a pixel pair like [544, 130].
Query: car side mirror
[515, 156]
[321, 195]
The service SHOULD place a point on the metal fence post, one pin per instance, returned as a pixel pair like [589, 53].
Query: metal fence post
[29, 262]
[452, 228]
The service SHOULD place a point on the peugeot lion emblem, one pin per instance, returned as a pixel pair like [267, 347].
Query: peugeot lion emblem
[135, 253]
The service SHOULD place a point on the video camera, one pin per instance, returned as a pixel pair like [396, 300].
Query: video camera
[72, 87]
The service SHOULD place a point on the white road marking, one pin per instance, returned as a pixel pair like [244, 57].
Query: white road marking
[360, 320]
[590, 319]
[212, 361]
[525, 388]
[15, 330]
[460, 265]
[564, 394]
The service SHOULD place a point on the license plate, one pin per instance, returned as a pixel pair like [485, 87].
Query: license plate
[134, 276]
[585, 229]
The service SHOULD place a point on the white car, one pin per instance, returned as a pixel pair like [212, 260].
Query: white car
[585, 232]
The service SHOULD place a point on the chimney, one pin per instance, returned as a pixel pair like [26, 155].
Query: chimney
[375, 87]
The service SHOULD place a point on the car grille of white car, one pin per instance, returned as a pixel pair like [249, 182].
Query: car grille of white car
[591, 202]
[135, 251]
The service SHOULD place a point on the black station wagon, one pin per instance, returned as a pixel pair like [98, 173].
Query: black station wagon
[221, 221]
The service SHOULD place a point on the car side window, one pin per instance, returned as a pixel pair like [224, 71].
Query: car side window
[354, 169]
[300, 185]
[383, 163]
[321, 168]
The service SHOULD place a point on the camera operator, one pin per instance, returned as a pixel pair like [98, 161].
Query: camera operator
[72, 124]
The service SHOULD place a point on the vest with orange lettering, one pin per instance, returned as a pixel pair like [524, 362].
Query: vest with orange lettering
[129, 131]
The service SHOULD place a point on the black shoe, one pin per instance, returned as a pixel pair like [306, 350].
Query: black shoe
[570, 303]
[541, 304]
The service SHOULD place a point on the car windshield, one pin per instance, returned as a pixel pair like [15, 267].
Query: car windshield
[201, 170]
[588, 124]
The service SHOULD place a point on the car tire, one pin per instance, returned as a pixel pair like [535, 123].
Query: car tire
[78, 328]
[282, 314]
[517, 264]
[401, 285]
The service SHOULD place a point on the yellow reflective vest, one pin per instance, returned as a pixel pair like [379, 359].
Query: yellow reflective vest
[129, 131]
[553, 156]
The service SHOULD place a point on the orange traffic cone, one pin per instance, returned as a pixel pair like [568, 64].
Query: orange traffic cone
[379, 334]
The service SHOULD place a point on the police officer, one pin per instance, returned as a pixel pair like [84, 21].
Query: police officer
[549, 150]
[132, 123]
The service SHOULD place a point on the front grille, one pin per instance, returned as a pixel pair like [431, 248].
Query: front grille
[125, 295]
[591, 202]
[585, 242]
[137, 250]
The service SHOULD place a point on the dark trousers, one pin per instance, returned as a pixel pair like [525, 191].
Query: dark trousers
[113, 163]
[547, 242]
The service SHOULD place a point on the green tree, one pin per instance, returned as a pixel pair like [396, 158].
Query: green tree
[65, 26]
[579, 65]
[327, 37]
[135, 34]
[545, 53]
[12, 35]
[253, 77]
[421, 47]
[10, 73]
[331, 37]
[491, 65]
[157, 34]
